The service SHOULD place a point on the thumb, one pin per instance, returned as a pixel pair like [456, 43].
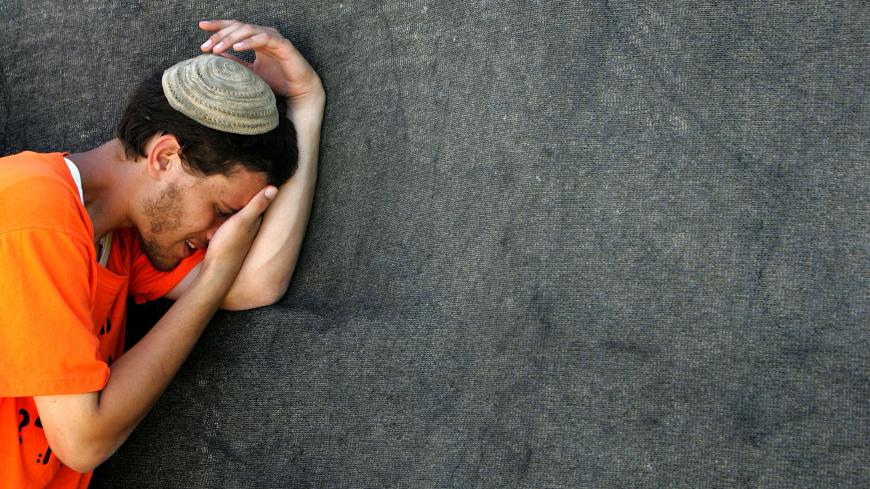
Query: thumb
[259, 203]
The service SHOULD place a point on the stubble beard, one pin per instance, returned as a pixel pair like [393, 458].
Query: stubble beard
[164, 215]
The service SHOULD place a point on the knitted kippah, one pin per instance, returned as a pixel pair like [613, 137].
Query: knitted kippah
[221, 94]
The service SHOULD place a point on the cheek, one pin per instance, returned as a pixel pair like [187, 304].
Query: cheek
[164, 212]
[197, 212]
[179, 212]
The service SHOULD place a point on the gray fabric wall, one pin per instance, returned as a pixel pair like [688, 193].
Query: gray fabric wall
[554, 244]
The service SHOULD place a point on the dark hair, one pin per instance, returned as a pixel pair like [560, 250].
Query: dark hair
[204, 150]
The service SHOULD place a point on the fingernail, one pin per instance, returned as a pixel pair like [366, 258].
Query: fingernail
[219, 46]
[271, 192]
[206, 44]
[239, 45]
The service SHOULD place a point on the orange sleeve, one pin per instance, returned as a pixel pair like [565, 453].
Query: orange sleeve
[47, 340]
[146, 282]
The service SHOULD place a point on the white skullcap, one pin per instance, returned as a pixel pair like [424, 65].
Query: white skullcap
[221, 94]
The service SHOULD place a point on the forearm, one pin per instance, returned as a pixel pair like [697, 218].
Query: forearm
[98, 423]
[270, 263]
[141, 375]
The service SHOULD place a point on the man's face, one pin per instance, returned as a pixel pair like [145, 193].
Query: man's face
[185, 211]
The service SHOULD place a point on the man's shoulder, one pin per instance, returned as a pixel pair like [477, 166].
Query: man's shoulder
[28, 163]
[37, 191]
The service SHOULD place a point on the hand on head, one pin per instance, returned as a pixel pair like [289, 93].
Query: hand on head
[277, 60]
[233, 238]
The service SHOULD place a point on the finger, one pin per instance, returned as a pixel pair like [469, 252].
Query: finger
[215, 25]
[245, 31]
[259, 203]
[259, 40]
[216, 38]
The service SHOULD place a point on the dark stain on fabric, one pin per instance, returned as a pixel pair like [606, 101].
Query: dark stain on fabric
[649, 418]
[750, 417]
[741, 161]
[630, 347]
[523, 467]
[802, 350]
[541, 308]
[505, 238]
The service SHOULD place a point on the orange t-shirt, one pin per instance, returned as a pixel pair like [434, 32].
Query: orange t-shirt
[62, 315]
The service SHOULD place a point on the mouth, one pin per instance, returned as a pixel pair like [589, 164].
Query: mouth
[189, 248]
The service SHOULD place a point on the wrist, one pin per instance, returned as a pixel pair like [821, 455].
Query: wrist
[313, 94]
[214, 278]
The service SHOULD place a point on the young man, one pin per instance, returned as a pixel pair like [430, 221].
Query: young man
[187, 196]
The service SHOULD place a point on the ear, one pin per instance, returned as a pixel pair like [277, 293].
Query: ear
[163, 154]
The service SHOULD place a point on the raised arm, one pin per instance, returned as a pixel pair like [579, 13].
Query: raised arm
[267, 270]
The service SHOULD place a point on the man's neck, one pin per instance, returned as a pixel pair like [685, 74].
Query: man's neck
[106, 181]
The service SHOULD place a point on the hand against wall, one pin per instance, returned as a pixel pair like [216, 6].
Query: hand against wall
[277, 60]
